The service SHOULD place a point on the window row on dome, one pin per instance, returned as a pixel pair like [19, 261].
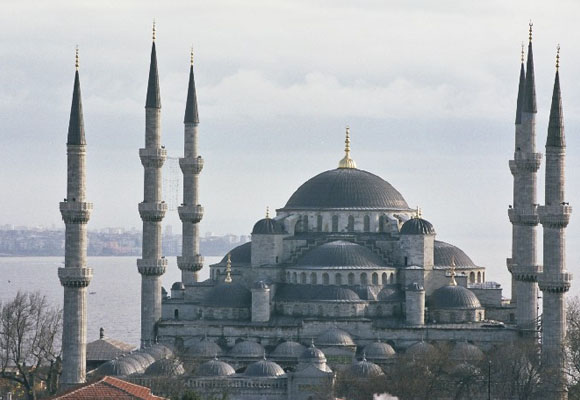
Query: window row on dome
[339, 222]
[456, 316]
[342, 310]
[338, 278]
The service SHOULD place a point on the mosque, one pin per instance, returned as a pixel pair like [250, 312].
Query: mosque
[345, 275]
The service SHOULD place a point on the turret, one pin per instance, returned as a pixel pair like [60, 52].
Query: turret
[417, 237]
[75, 276]
[267, 241]
[190, 212]
[261, 308]
[152, 265]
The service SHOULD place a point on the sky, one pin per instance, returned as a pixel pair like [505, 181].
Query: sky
[427, 88]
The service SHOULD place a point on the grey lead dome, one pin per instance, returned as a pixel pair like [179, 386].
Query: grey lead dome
[417, 226]
[453, 297]
[346, 188]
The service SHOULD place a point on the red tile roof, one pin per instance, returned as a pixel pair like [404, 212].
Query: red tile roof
[108, 388]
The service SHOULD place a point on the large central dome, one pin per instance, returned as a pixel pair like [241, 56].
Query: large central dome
[346, 188]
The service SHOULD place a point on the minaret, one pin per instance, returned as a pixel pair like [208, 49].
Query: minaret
[555, 279]
[190, 212]
[152, 210]
[75, 276]
[523, 214]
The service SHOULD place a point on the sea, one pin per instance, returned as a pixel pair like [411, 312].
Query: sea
[114, 297]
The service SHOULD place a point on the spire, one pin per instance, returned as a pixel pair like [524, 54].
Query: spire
[347, 162]
[521, 89]
[191, 115]
[153, 96]
[529, 102]
[76, 125]
[453, 282]
[556, 124]
[228, 278]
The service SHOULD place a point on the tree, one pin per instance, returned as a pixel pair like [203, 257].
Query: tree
[29, 331]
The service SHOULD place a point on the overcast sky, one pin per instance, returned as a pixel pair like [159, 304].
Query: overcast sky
[428, 89]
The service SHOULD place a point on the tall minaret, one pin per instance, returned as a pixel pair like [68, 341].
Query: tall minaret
[75, 276]
[152, 210]
[190, 212]
[523, 214]
[554, 280]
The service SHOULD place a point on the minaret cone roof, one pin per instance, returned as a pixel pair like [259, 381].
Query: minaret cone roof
[530, 92]
[556, 124]
[191, 115]
[521, 90]
[153, 96]
[76, 126]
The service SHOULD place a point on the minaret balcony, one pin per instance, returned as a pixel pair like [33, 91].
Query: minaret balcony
[75, 277]
[155, 267]
[152, 212]
[555, 216]
[192, 164]
[192, 214]
[524, 215]
[528, 162]
[153, 157]
[75, 212]
[526, 273]
[555, 283]
[190, 263]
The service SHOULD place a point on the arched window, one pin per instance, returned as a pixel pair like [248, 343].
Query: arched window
[338, 279]
[392, 278]
[350, 226]
[483, 276]
[288, 276]
[303, 277]
[325, 279]
[319, 223]
[351, 279]
[384, 278]
[363, 278]
[472, 277]
[478, 277]
[382, 223]
[375, 278]
[313, 278]
[305, 223]
[367, 224]
[176, 314]
[294, 280]
[335, 223]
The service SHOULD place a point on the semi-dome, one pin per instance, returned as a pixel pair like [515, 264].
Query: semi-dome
[264, 369]
[444, 254]
[241, 254]
[379, 351]
[421, 350]
[334, 337]
[159, 351]
[118, 367]
[247, 349]
[340, 254]
[267, 226]
[289, 349]
[178, 286]
[215, 368]
[464, 351]
[346, 188]
[166, 367]
[417, 226]
[203, 348]
[303, 292]
[229, 295]
[390, 294]
[365, 369]
[453, 296]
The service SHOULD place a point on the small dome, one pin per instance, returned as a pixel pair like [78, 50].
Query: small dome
[247, 349]
[334, 337]
[464, 351]
[165, 367]
[143, 359]
[267, 226]
[417, 226]
[415, 287]
[215, 368]
[178, 286]
[135, 362]
[341, 254]
[421, 350]
[203, 348]
[239, 255]
[264, 368]
[159, 351]
[312, 355]
[453, 297]
[118, 367]
[389, 294]
[444, 254]
[261, 284]
[365, 369]
[379, 351]
[230, 295]
[288, 349]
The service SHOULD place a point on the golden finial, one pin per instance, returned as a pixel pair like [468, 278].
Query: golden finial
[522, 57]
[154, 29]
[228, 278]
[347, 162]
[558, 57]
[267, 212]
[191, 56]
[77, 57]
[530, 32]
[418, 212]
[452, 272]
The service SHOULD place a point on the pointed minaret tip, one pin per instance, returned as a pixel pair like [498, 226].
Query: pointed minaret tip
[191, 114]
[153, 30]
[153, 95]
[521, 89]
[529, 103]
[346, 161]
[76, 125]
[556, 136]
